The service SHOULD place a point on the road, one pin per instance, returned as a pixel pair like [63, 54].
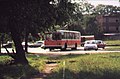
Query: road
[79, 50]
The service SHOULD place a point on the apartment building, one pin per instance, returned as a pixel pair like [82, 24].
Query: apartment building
[109, 23]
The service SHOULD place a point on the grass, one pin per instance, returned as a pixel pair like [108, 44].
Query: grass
[97, 66]
[112, 42]
[113, 48]
[36, 65]
[113, 45]
[87, 66]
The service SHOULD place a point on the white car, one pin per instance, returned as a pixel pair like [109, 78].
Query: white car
[37, 44]
[29, 44]
[90, 45]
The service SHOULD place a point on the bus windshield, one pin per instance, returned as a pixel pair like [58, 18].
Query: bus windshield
[48, 36]
[53, 36]
[56, 36]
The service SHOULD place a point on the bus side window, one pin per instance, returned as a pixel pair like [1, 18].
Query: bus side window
[73, 36]
[70, 37]
[62, 36]
[76, 36]
[65, 35]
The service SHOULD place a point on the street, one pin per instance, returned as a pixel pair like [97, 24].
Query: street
[79, 50]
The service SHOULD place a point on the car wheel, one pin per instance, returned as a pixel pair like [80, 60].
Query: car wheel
[96, 49]
[50, 49]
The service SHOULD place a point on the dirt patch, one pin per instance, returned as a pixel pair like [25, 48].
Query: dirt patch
[49, 67]
[47, 70]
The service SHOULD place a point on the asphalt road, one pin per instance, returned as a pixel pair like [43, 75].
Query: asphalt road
[79, 50]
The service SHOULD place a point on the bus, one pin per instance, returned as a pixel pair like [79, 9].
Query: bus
[62, 39]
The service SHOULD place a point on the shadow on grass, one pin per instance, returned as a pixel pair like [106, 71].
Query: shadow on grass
[63, 57]
[103, 74]
[17, 71]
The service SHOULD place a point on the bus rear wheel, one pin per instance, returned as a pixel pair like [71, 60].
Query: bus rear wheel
[75, 48]
[50, 49]
[65, 46]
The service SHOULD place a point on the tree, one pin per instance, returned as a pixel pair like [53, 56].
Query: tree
[64, 11]
[76, 27]
[18, 16]
[106, 9]
[92, 27]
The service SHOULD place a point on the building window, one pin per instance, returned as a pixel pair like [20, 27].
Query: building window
[117, 20]
[117, 29]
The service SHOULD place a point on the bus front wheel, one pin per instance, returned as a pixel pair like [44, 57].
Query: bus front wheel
[65, 46]
[50, 49]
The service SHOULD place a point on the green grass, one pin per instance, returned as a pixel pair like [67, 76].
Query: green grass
[112, 42]
[113, 45]
[97, 66]
[113, 48]
[88, 66]
[36, 65]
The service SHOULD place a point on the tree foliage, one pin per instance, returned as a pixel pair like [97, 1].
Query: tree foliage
[107, 9]
[23, 16]
[17, 16]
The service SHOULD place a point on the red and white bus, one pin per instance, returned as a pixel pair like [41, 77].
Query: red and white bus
[62, 39]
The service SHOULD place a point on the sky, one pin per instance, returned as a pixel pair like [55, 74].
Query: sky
[105, 2]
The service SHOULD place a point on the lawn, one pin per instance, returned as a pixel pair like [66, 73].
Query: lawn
[112, 42]
[113, 48]
[36, 65]
[94, 66]
[113, 45]
[88, 66]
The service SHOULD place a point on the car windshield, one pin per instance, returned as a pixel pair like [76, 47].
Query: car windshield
[90, 42]
[99, 41]
[93, 42]
[87, 42]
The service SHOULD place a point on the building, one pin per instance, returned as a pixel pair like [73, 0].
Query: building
[109, 23]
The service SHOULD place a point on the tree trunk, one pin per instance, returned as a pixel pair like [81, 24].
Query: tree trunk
[20, 53]
[26, 40]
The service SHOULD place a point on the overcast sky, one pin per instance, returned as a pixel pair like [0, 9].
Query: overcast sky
[105, 2]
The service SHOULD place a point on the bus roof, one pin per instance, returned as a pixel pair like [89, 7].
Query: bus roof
[67, 31]
[63, 31]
